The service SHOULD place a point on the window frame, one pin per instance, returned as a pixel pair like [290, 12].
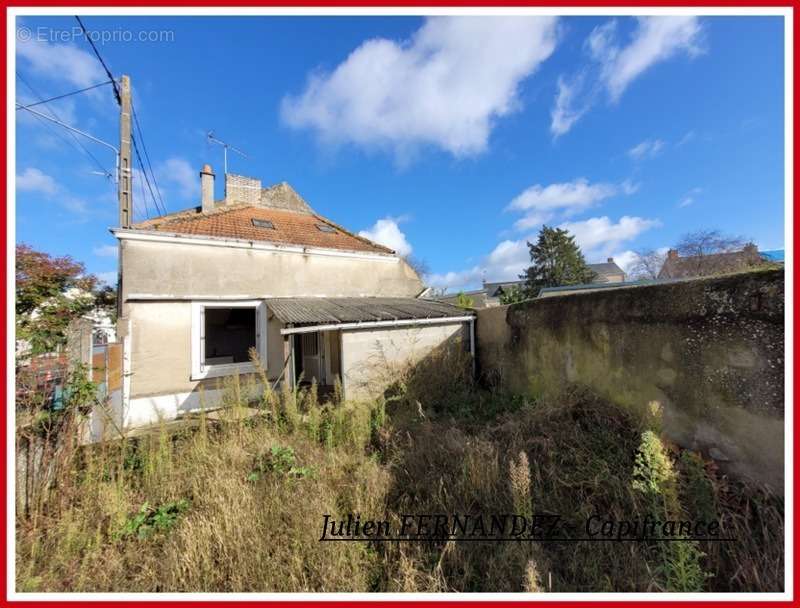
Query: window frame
[201, 370]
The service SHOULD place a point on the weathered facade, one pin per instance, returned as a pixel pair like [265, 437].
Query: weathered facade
[704, 357]
[196, 286]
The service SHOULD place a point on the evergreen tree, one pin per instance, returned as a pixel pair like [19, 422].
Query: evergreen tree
[556, 260]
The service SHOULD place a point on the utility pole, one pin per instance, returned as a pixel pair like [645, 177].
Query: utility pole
[125, 188]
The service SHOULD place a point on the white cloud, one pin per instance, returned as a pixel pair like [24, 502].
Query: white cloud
[105, 251]
[533, 219]
[599, 236]
[689, 198]
[564, 114]
[613, 67]
[628, 187]
[541, 203]
[625, 259]
[649, 148]
[63, 62]
[34, 180]
[505, 262]
[387, 233]
[689, 136]
[656, 39]
[445, 86]
[179, 173]
[75, 205]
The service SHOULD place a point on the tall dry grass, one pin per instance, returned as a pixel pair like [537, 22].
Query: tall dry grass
[237, 504]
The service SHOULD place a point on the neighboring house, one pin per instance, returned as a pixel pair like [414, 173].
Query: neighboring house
[677, 267]
[605, 272]
[104, 329]
[261, 269]
[477, 296]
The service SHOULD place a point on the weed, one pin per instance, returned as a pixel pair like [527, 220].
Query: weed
[520, 476]
[281, 461]
[150, 520]
[654, 475]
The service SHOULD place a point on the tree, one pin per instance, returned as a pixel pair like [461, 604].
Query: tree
[420, 266]
[50, 292]
[647, 264]
[556, 260]
[105, 298]
[464, 301]
[707, 242]
[697, 247]
[512, 295]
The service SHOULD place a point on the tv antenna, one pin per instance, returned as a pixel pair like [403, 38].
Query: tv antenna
[225, 147]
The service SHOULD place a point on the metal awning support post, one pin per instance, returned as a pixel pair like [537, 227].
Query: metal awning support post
[472, 344]
[288, 355]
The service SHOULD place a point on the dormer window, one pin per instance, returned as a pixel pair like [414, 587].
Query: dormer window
[325, 228]
[263, 224]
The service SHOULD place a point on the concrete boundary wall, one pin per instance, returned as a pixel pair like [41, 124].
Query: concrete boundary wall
[707, 354]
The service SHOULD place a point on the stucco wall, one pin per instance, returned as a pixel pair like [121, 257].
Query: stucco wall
[161, 361]
[709, 352]
[175, 270]
[368, 355]
[164, 278]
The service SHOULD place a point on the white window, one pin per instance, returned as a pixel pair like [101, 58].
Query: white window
[223, 334]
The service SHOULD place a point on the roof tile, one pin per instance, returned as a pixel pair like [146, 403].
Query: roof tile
[236, 222]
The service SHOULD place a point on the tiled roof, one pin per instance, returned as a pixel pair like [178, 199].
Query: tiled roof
[715, 263]
[236, 222]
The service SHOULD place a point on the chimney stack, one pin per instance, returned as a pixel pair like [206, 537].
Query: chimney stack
[207, 188]
[672, 254]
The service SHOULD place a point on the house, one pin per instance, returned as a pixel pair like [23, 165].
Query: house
[677, 267]
[605, 272]
[476, 297]
[260, 269]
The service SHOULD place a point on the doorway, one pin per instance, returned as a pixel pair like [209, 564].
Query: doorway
[317, 356]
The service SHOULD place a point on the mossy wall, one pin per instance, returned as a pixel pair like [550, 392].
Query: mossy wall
[708, 354]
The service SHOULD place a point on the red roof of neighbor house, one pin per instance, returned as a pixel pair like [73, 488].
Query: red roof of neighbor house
[236, 222]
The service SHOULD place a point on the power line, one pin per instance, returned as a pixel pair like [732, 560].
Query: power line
[147, 157]
[57, 97]
[133, 139]
[146, 179]
[144, 198]
[60, 134]
[100, 59]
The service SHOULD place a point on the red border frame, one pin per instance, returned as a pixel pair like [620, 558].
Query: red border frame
[4, 601]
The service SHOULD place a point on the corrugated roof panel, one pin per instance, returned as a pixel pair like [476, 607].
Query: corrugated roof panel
[353, 310]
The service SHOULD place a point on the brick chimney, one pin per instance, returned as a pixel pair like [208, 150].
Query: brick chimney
[242, 189]
[672, 254]
[207, 188]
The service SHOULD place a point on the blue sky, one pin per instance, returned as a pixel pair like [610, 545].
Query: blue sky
[452, 139]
